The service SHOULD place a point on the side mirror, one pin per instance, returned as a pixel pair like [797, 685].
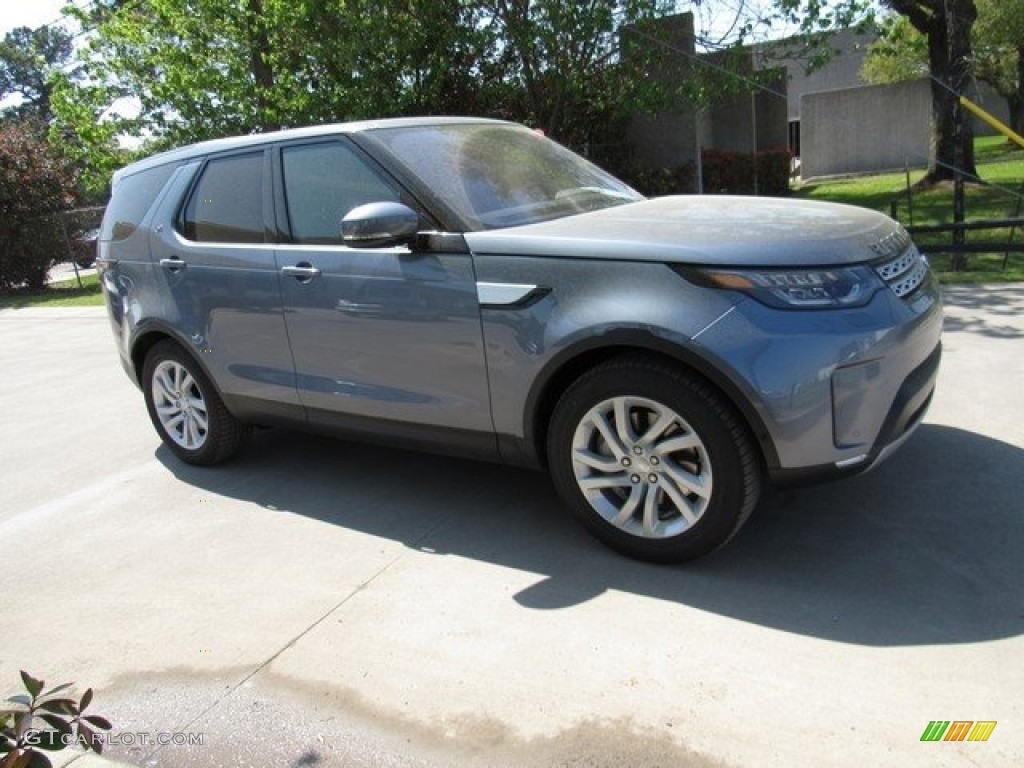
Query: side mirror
[379, 225]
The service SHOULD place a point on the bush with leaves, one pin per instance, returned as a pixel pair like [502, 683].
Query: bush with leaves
[35, 184]
[22, 746]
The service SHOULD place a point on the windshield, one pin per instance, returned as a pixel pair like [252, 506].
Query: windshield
[503, 175]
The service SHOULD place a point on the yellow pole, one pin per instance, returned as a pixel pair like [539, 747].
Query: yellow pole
[993, 121]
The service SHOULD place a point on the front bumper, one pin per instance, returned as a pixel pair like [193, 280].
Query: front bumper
[836, 390]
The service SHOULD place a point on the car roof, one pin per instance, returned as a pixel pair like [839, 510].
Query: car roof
[204, 148]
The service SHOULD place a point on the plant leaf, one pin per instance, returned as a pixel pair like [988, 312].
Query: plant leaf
[60, 706]
[88, 738]
[59, 688]
[86, 700]
[98, 721]
[38, 760]
[51, 741]
[33, 686]
[20, 698]
[58, 724]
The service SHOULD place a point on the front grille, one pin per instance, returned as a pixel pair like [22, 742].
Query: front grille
[904, 272]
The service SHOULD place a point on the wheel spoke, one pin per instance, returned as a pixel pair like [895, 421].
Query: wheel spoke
[601, 423]
[597, 461]
[636, 495]
[688, 482]
[199, 417]
[681, 503]
[666, 418]
[622, 424]
[651, 512]
[604, 481]
[679, 443]
[164, 384]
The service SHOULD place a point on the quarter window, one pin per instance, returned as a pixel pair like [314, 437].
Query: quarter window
[323, 182]
[227, 204]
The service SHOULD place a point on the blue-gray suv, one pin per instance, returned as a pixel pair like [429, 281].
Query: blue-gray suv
[471, 287]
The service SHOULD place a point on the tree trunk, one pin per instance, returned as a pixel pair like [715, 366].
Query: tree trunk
[949, 56]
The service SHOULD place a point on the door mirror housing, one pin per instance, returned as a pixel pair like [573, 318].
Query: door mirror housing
[379, 225]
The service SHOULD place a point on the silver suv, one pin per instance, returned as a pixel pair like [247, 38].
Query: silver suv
[470, 287]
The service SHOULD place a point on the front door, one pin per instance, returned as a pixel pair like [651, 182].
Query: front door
[387, 333]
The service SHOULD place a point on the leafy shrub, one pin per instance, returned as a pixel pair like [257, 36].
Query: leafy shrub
[21, 744]
[35, 183]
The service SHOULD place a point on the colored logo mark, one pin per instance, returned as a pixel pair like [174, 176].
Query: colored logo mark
[958, 730]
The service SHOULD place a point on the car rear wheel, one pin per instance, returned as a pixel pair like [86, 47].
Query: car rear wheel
[186, 409]
[654, 462]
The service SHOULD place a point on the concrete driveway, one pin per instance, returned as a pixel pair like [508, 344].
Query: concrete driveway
[320, 603]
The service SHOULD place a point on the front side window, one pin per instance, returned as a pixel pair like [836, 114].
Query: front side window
[227, 204]
[323, 182]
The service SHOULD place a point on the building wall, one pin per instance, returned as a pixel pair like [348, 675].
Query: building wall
[872, 128]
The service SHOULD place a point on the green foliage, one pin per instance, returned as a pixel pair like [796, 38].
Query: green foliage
[999, 52]
[29, 58]
[34, 181]
[900, 53]
[22, 746]
[201, 69]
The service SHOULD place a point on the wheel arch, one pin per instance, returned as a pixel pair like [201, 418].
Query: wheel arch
[152, 334]
[566, 367]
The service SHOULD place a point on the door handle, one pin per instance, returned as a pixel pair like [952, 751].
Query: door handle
[173, 264]
[303, 271]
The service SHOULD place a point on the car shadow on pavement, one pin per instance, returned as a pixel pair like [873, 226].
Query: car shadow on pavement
[927, 549]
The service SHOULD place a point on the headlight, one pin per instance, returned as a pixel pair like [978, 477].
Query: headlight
[794, 288]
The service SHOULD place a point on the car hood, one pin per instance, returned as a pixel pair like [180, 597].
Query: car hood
[713, 230]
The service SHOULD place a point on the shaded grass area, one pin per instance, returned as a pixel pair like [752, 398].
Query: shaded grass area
[999, 195]
[63, 294]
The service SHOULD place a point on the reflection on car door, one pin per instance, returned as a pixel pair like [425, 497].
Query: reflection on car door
[384, 333]
[222, 281]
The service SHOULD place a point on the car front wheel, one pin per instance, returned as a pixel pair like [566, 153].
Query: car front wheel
[653, 461]
[186, 409]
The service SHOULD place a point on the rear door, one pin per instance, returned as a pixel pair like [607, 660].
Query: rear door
[382, 333]
[213, 258]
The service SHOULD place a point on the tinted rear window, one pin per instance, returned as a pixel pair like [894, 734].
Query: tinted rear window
[133, 197]
[227, 204]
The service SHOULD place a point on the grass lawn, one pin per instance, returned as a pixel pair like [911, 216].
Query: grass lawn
[1001, 166]
[62, 294]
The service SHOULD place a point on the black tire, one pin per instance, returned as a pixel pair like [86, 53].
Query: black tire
[186, 409]
[677, 483]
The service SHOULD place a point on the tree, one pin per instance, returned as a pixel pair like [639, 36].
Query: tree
[35, 184]
[29, 58]
[999, 53]
[204, 68]
[946, 26]
[565, 57]
[899, 53]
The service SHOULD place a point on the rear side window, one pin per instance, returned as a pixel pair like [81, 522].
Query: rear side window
[226, 205]
[323, 182]
[132, 198]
